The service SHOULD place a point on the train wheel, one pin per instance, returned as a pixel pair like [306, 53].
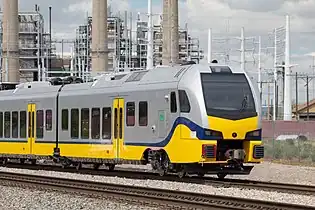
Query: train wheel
[111, 167]
[96, 166]
[221, 175]
[22, 160]
[181, 174]
[4, 161]
[78, 166]
[160, 162]
[161, 172]
[201, 174]
[33, 161]
[64, 165]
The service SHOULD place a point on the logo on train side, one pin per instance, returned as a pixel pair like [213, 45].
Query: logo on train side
[162, 116]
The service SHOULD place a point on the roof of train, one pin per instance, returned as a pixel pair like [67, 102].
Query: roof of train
[168, 75]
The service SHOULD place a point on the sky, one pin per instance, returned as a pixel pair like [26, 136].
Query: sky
[224, 17]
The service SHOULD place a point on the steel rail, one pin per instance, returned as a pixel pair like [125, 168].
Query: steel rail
[152, 196]
[142, 174]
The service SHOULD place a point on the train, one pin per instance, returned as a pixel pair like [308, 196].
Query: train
[183, 119]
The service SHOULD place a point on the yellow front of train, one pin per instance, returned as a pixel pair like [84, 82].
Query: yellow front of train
[232, 110]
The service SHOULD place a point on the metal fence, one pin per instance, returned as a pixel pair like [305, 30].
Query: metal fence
[289, 141]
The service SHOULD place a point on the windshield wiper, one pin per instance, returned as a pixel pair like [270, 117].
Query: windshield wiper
[244, 104]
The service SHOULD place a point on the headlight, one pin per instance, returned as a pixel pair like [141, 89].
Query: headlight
[253, 135]
[213, 134]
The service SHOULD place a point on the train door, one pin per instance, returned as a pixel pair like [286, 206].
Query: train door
[31, 110]
[118, 127]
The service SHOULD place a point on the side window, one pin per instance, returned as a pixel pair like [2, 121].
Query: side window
[49, 120]
[74, 123]
[107, 123]
[130, 114]
[64, 119]
[15, 124]
[85, 123]
[95, 123]
[183, 101]
[40, 124]
[22, 124]
[173, 102]
[1, 124]
[7, 124]
[143, 113]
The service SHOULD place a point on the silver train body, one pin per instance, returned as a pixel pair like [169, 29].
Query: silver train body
[169, 117]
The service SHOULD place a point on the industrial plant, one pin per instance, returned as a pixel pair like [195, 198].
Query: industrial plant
[124, 53]
[108, 41]
[29, 53]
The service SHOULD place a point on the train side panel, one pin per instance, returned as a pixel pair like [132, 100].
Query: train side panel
[13, 137]
[45, 124]
[88, 135]
[151, 121]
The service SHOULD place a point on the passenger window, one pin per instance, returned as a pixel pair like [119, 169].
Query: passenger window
[120, 122]
[143, 113]
[49, 120]
[40, 124]
[74, 123]
[115, 123]
[173, 102]
[130, 114]
[85, 123]
[64, 119]
[22, 124]
[107, 123]
[95, 123]
[7, 124]
[15, 124]
[183, 101]
[1, 124]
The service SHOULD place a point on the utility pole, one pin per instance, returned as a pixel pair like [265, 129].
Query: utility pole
[150, 37]
[307, 100]
[259, 68]
[242, 49]
[287, 94]
[313, 71]
[296, 96]
[275, 77]
[307, 79]
[209, 45]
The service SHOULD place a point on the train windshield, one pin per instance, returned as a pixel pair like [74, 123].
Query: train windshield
[227, 95]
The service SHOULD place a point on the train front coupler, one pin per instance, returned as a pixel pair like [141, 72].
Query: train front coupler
[235, 158]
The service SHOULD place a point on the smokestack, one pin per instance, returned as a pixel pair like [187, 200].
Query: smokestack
[166, 36]
[170, 47]
[173, 14]
[10, 48]
[99, 36]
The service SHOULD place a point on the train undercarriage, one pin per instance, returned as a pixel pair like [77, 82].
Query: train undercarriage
[234, 164]
[226, 158]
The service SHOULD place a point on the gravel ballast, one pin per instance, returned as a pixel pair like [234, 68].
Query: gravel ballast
[265, 171]
[16, 198]
[268, 172]
[274, 172]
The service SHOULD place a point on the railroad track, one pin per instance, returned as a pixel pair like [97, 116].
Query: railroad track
[141, 195]
[142, 174]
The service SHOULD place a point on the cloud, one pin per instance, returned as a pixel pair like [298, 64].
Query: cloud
[255, 6]
[225, 17]
[86, 6]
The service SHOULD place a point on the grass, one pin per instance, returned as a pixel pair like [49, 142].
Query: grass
[290, 152]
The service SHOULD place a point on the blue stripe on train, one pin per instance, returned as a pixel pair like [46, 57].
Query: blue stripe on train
[200, 132]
